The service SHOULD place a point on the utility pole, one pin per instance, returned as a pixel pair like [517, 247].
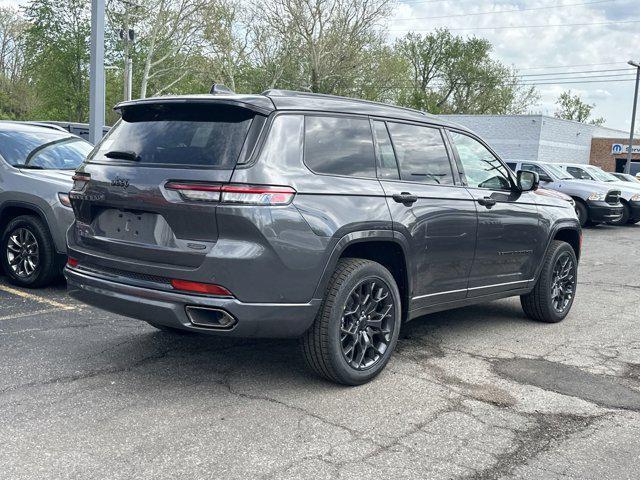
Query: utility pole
[627, 167]
[96, 72]
[127, 35]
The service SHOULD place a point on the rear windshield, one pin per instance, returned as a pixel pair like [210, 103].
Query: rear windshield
[179, 135]
[43, 149]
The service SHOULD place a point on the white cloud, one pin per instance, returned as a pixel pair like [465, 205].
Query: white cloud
[525, 48]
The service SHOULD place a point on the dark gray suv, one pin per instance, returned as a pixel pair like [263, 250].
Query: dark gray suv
[297, 215]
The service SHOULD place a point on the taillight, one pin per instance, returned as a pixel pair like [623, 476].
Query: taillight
[197, 287]
[72, 262]
[80, 181]
[196, 191]
[234, 194]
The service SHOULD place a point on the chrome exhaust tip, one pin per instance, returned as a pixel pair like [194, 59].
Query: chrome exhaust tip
[214, 318]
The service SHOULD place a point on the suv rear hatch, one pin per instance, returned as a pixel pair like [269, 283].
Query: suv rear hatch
[122, 197]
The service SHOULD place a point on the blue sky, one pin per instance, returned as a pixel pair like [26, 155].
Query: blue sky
[527, 48]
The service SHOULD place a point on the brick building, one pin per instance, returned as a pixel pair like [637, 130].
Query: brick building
[610, 154]
[550, 139]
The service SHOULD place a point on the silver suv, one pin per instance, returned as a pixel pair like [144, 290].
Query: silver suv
[595, 203]
[36, 165]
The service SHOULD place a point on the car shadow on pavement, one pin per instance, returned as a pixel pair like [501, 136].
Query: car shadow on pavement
[198, 359]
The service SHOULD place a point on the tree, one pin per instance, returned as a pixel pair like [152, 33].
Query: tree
[571, 107]
[450, 74]
[328, 41]
[15, 97]
[57, 58]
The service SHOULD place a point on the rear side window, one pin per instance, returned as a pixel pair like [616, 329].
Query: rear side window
[339, 146]
[386, 158]
[179, 135]
[422, 155]
[512, 165]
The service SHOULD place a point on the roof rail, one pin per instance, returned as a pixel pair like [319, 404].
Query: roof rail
[294, 93]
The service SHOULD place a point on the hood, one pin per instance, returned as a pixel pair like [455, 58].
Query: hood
[553, 193]
[584, 185]
[61, 177]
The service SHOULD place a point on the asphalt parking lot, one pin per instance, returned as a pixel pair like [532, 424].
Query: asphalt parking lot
[475, 393]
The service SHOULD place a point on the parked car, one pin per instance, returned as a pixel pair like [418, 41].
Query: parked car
[625, 177]
[36, 165]
[594, 203]
[298, 215]
[629, 192]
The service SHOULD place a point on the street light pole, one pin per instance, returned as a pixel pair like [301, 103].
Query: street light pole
[96, 72]
[627, 167]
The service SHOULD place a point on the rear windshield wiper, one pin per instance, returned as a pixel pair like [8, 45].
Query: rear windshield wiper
[123, 155]
[24, 165]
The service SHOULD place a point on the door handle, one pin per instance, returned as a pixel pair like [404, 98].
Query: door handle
[487, 202]
[405, 197]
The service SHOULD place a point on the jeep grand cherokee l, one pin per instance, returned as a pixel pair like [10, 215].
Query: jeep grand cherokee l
[298, 215]
[36, 165]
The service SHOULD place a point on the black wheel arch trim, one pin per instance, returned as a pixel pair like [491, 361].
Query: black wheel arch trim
[572, 225]
[361, 236]
[27, 206]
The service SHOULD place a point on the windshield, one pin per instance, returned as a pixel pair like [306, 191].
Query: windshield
[601, 175]
[43, 149]
[180, 135]
[557, 172]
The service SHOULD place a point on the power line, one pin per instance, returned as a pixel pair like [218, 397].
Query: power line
[547, 7]
[578, 81]
[612, 76]
[549, 67]
[629, 70]
[507, 27]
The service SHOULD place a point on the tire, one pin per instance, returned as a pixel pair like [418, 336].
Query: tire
[39, 249]
[167, 329]
[540, 303]
[626, 213]
[325, 346]
[582, 212]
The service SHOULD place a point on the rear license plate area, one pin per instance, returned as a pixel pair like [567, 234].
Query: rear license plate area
[127, 225]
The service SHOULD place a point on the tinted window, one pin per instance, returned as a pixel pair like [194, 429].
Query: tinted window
[422, 156]
[579, 173]
[481, 168]
[200, 135]
[65, 155]
[16, 146]
[339, 146]
[512, 165]
[386, 158]
[534, 168]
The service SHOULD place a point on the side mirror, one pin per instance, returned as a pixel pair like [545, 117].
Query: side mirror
[528, 181]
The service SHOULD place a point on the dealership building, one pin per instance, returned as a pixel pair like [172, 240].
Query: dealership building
[550, 139]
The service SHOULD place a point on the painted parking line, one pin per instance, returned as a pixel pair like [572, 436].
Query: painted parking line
[36, 298]
[35, 312]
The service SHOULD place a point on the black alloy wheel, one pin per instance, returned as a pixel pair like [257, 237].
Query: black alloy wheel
[564, 282]
[367, 324]
[358, 324]
[555, 290]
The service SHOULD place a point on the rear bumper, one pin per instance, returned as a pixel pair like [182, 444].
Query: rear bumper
[264, 320]
[601, 212]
